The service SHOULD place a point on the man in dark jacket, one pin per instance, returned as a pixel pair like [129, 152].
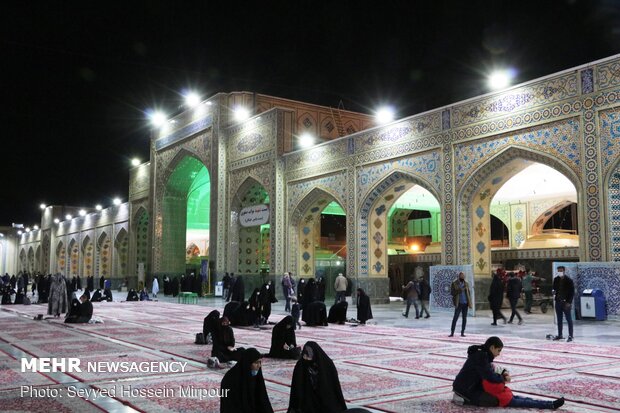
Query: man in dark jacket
[468, 383]
[564, 293]
[513, 292]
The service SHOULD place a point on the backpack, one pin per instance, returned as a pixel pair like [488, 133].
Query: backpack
[200, 339]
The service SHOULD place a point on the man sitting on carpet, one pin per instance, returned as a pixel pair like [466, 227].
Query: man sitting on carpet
[468, 385]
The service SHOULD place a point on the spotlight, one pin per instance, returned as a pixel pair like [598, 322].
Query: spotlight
[117, 201]
[500, 79]
[241, 113]
[56, 221]
[82, 212]
[42, 206]
[192, 99]
[306, 140]
[68, 217]
[135, 161]
[98, 207]
[36, 227]
[19, 232]
[27, 229]
[1, 235]
[158, 119]
[384, 115]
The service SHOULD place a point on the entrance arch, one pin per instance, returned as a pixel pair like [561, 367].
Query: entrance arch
[474, 205]
[312, 256]
[87, 257]
[61, 255]
[186, 206]
[374, 220]
[250, 242]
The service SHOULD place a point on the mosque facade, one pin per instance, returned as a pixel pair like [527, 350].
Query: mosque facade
[245, 197]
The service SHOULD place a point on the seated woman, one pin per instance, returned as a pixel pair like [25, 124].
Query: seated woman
[364, 312]
[224, 349]
[132, 295]
[283, 343]
[209, 325]
[84, 310]
[314, 314]
[338, 313]
[244, 386]
[315, 386]
[97, 297]
[144, 295]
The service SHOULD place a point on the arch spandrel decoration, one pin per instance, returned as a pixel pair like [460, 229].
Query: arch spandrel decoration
[304, 230]
[372, 221]
[476, 194]
[121, 253]
[74, 258]
[88, 254]
[538, 222]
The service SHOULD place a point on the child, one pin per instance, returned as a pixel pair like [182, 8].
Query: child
[295, 313]
[507, 399]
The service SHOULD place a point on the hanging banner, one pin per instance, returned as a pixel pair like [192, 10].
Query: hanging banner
[254, 215]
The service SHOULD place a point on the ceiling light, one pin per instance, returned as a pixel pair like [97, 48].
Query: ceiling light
[384, 115]
[135, 161]
[241, 113]
[306, 140]
[192, 99]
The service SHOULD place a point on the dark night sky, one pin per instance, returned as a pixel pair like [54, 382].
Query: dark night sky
[77, 77]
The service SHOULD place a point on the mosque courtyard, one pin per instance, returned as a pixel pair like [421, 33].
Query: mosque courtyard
[394, 364]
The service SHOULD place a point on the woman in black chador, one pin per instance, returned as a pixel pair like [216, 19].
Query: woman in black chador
[267, 297]
[210, 324]
[315, 386]
[364, 312]
[243, 386]
[301, 287]
[283, 343]
[224, 343]
[338, 313]
[238, 290]
[310, 292]
[253, 313]
[496, 298]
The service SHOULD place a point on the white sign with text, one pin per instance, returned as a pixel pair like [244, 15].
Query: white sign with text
[254, 215]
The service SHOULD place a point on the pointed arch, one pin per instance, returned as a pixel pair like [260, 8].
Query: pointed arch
[121, 253]
[304, 229]
[372, 222]
[73, 258]
[88, 254]
[539, 222]
[474, 198]
[612, 213]
[181, 156]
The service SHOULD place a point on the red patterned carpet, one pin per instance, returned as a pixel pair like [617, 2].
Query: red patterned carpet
[381, 368]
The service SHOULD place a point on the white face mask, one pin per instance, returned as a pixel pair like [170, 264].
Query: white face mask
[561, 273]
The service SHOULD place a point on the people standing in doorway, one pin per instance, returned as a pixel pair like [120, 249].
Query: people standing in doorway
[513, 292]
[287, 291]
[461, 295]
[564, 290]
[496, 298]
[528, 290]
[412, 291]
[340, 285]
[425, 296]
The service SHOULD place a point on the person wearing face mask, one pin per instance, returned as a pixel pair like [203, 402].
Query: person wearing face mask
[243, 386]
[224, 350]
[462, 302]
[283, 342]
[315, 386]
[564, 293]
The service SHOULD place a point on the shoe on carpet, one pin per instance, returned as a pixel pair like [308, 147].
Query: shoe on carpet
[405, 315]
[463, 335]
[451, 335]
[520, 322]
[569, 339]
[211, 362]
[556, 338]
[428, 316]
[456, 399]
[493, 324]
[558, 403]
[510, 322]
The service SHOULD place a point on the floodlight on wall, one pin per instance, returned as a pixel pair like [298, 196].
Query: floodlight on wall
[27, 229]
[42, 206]
[68, 217]
[36, 227]
[98, 207]
[192, 99]
[135, 161]
[241, 113]
[384, 115]
[19, 232]
[501, 79]
[1, 235]
[117, 201]
[82, 212]
[158, 119]
[56, 221]
[306, 140]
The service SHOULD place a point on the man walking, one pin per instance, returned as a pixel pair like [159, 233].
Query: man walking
[462, 302]
[425, 296]
[528, 290]
[412, 290]
[564, 289]
[340, 285]
[513, 292]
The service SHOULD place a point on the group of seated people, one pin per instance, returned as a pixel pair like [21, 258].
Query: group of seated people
[80, 311]
[132, 295]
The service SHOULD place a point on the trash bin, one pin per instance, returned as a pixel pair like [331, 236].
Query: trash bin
[219, 288]
[593, 304]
